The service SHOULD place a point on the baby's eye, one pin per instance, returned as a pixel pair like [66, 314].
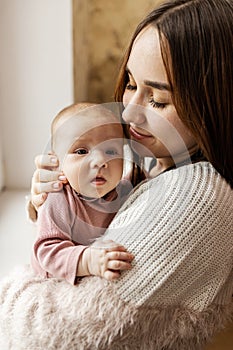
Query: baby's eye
[111, 152]
[80, 151]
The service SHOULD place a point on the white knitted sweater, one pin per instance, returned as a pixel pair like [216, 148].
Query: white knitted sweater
[179, 226]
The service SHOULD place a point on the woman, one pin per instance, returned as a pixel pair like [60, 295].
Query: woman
[176, 87]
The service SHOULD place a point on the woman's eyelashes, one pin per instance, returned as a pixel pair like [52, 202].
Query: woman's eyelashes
[152, 102]
[155, 104]
[131, 87]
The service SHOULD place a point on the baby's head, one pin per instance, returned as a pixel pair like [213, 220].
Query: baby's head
[88, 140]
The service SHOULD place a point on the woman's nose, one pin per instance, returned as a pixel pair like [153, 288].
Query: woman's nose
[134, 113]
[98, 159]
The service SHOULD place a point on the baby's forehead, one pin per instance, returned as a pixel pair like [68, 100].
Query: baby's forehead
[97, 114]
[95, 123]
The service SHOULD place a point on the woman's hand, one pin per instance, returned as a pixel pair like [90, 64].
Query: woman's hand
[105, 259]
[45, 179]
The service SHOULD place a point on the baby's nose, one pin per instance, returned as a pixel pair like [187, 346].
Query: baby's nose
[98, 159]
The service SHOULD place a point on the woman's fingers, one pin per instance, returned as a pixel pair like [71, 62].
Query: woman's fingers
[51, 186]
[45, 179]
[46, 161]
[38, 199]
[43, 175]
[39, 191]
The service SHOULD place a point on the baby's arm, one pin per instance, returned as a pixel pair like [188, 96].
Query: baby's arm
[60, 258]
[56, 254]
[105, 259]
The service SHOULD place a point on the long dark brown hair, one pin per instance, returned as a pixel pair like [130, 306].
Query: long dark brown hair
[196, 38]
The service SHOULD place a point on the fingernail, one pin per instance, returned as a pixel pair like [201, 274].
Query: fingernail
[53, 160]
[43, 196]
[56, 185]
[61, 178]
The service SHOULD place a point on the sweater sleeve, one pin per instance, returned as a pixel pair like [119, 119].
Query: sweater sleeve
[179, 227]
[54, 251]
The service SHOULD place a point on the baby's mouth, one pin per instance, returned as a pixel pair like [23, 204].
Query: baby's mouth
[98, 180]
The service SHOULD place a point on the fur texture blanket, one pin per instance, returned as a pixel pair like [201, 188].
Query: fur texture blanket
[49, 314]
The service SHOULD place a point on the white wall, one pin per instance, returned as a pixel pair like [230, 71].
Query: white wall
[1, 168]
[36, 79]
[1, 155]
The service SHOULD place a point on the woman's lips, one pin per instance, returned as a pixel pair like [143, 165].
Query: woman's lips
[137, 135]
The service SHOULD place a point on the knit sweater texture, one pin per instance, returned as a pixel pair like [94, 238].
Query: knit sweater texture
[177, 295]
[179, 227]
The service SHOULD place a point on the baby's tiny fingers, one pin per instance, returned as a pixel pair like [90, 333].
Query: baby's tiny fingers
[119, 265]
[108, 245]
[111, 275]
[119, 255]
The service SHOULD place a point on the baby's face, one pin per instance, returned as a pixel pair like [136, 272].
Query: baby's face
[90, 151]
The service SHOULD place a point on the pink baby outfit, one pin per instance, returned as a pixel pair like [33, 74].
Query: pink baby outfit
[67, 224]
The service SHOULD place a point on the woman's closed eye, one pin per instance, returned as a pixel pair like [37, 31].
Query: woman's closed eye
[132, 86]
[155, 104]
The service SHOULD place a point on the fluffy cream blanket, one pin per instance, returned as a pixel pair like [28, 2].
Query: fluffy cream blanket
[49, 314]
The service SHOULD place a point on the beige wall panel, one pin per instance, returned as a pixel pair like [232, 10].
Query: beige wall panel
[102, 30]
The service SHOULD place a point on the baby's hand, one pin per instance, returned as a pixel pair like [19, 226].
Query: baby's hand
[106, 259]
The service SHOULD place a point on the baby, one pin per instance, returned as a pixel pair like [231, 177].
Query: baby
[88, 140]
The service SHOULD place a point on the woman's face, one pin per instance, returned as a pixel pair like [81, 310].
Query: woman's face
[155, 127]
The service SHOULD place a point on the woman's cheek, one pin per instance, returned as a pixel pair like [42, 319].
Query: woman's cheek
[126, 98]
